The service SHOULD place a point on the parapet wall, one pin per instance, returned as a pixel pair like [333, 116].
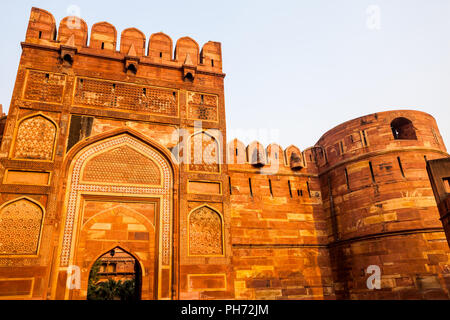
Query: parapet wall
[73, 32]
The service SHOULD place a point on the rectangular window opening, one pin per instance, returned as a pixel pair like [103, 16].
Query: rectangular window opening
[40, 34]
[250, 186]
[308, 188]
[270, 187]
[231, 187]
[341, 147]
[103, 45]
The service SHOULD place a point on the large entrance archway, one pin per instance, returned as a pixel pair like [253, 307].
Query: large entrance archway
[120, 195]
[116, 275]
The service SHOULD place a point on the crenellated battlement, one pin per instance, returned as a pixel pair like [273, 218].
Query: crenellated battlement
[257, 155]
[74, 32]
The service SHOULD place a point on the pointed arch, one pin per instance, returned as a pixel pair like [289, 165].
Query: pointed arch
[124, 249]
[205, 232]
[35, 138]
[21, 224]
[79, 193]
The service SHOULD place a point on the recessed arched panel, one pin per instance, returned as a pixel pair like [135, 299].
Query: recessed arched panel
[205, 232]
[35, 139]
[20, 227]
[204, 153]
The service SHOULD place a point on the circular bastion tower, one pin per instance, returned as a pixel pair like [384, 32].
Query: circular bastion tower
[381, 211]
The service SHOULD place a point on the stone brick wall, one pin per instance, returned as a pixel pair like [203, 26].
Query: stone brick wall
[381, 210]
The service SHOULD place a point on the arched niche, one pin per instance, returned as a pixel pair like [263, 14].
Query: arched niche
[35, 138]
[204, 153]
[21, 223]
[205, 229]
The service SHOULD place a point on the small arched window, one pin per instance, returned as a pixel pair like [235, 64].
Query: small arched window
[403, 129]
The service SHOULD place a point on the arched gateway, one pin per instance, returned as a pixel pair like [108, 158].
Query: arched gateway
[120, 194]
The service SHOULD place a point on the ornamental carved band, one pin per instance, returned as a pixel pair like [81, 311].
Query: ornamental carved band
[35, 139]
[98, 93]
[205, 232]
[20, 228]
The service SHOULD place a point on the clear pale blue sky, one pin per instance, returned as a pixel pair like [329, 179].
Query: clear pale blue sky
[297, 68]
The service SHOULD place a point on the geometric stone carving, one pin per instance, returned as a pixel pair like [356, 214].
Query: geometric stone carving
[202, 106]
[44, 87]
[20, 228]
[122, 165]
[205, 232]
[204, 151]
[105, 94]
[35, 139]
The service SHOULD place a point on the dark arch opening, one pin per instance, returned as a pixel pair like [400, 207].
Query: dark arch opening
[116, 275]
[132, 68]
[68, 58]
[403, 129]
[189, 77]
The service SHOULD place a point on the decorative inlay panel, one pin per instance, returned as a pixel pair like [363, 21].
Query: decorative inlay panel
[205, 232]
[45, 87]
[20, 228]
[77, 188]
[35, 139]
[124, 165]
[204, 153]
[202, 106]
[108, 94]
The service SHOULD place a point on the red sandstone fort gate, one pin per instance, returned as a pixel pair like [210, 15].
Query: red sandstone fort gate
[86, 167]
